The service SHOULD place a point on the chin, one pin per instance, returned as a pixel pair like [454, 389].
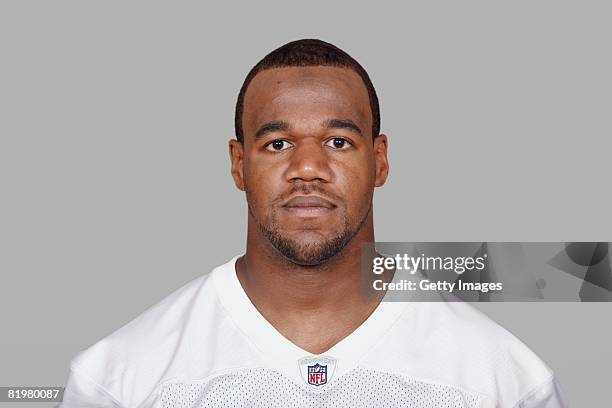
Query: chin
[307, 250]
[307, 257]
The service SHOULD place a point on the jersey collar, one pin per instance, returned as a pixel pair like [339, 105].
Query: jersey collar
[280, 351]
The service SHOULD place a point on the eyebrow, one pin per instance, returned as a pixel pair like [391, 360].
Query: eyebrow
[279, 126]
[342, 124]
[282, 126]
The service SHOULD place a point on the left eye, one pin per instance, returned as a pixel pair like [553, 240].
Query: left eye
[338, 143]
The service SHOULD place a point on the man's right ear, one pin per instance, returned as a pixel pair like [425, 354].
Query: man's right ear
[236, 152]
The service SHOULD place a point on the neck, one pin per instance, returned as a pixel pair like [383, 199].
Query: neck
[300, 300]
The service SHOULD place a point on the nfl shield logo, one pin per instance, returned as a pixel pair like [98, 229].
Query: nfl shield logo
[317, 374]
[317, 371]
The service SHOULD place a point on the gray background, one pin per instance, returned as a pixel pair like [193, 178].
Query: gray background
[115, 177]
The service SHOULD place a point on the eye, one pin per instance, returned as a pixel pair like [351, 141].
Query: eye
[338, 143]
[277, 145]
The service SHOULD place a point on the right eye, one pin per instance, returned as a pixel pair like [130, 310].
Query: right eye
[277, 145]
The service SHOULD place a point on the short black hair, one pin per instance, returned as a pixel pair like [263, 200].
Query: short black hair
[304, 53]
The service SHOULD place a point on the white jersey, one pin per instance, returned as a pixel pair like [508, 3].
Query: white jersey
[206, 345]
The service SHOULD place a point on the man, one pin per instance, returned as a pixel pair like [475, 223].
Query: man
[286, 324]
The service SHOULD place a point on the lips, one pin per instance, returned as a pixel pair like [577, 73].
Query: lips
[309, 201]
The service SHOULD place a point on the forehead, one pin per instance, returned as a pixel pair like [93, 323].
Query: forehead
[306, 94]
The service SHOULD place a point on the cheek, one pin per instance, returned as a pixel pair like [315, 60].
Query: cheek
[355, 181]
[263, 181]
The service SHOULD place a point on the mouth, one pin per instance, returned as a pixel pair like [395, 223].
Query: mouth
[308, 206]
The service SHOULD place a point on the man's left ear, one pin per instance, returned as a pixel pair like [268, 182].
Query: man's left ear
[380, 158]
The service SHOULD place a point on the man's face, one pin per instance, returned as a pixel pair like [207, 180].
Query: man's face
[308, 164]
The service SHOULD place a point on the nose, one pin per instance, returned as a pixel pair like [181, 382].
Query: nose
[309, 161]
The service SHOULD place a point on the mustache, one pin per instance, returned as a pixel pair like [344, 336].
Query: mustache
[308, 188]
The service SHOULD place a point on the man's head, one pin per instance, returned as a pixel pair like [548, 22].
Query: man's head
[308, 152]
[307, 53]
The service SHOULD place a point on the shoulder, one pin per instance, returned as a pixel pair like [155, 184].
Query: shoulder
[454, 344]
[153, 329]
[169, 340]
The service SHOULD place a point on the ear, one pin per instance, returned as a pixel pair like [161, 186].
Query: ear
[380, 160]
[236, 152]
